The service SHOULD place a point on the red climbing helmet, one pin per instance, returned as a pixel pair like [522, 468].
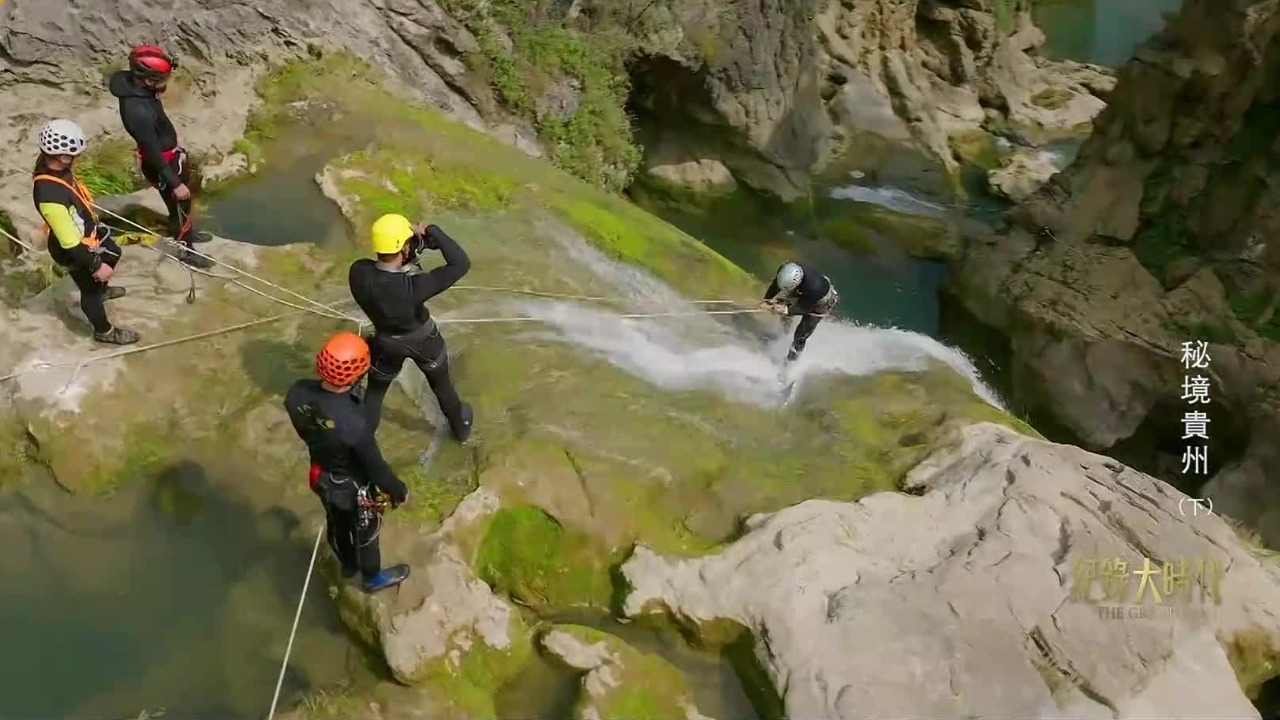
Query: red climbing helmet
[149, 62]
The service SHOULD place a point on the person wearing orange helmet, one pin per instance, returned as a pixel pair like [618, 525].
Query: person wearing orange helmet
[346, 464]
[393, 291]
[164, 162]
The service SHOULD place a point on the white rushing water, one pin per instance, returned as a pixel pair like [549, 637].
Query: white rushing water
[890, 198]
[704, 352]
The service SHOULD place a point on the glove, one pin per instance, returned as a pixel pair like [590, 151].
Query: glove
[399, 497]
[428, 235]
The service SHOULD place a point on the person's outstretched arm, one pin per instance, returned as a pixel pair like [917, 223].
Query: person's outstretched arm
[456, 264]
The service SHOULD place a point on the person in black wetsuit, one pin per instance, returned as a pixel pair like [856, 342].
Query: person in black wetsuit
[164, 162]
[800, 290]
[346, 464]
[392, 292]
[75, 239]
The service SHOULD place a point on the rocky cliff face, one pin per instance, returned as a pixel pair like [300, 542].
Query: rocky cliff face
[1163, 231]
[915, 73]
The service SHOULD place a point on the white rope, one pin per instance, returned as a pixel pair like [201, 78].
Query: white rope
[459, 321]
[594, 298]
[227, 265]
[18, 242]
[297, 615]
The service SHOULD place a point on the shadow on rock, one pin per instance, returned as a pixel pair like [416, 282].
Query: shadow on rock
[273, 365]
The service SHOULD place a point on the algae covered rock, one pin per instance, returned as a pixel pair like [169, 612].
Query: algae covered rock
[1012, 587]
[620, 682]
[442, 626]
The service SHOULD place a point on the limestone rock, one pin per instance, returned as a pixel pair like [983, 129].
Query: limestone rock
[442, 612]
[1022, 174]
[972, 599]
[619, 680]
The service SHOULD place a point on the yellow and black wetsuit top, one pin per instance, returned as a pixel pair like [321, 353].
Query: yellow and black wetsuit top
[67, 208]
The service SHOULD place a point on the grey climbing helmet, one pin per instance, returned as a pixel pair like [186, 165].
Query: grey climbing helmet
[789, 277]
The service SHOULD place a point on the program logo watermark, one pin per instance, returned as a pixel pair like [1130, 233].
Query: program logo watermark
[1152, 590]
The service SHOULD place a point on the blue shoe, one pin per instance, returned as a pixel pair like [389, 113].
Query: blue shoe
[389, 577]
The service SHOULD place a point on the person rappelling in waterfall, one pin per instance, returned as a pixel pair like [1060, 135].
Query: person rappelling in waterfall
[799, 290]
[348, 472]
[164, 162]
[393, 291]
[75, 239]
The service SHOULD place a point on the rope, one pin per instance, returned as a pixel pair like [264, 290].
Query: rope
[324, 308]
[297, 616]
[16, 241]
[593, 298]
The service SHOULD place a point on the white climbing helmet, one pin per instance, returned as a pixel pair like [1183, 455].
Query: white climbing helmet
[62, 137]
[789, 277]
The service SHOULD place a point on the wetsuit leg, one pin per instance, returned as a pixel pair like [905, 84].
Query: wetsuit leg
[804, 330]
[340, 531]
[441, 383]
[385, 365]
[93, 295]
[368, 552]
[180, 221]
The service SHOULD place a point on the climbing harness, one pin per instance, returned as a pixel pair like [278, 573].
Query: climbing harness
[370, 505]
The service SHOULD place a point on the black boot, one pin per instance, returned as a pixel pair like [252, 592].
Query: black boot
[200, 236]
[187, 255]
[117, 336]
[462, 430]
[114, 292]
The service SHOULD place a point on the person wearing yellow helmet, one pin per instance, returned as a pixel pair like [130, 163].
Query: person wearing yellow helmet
[392, 291]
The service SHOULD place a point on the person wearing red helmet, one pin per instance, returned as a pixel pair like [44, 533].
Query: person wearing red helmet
[346, 464]
[164, 162]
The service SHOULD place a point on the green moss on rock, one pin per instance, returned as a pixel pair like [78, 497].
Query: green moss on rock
[621, 683]
[531, 557]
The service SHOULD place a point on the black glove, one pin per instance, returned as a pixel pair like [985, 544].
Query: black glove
[429, 237]
[399, 496]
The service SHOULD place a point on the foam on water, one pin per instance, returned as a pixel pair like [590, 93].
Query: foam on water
[739, 366]
[891, 198]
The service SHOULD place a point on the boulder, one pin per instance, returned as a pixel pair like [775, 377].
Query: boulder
[618, 681]
[442, 621]
[1022, 173]
[993, 590]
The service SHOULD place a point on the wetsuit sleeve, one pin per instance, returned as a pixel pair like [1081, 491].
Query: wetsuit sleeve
[141, 126]
[435, 281]
[377, 469]
[772, 291]
[58, 216]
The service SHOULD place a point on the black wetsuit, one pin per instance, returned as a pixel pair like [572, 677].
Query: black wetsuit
[164, 161]
[813, 300]
[76, 240]
[394, 300]
[346, 455]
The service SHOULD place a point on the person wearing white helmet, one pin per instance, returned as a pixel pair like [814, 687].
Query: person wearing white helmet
[75, 238]
[800, 290]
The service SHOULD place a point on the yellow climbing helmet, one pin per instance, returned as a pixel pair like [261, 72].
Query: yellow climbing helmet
[389, 234]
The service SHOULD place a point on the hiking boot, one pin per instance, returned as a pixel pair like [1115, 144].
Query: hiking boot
[188, 256]
[792, 355]
[390, 577]
[117, 336]
[463, 430]
[113, 293]
[200, 236]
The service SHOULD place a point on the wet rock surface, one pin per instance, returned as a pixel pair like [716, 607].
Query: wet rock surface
[967, 597]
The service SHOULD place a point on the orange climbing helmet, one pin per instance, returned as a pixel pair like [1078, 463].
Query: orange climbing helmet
[343, 360]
